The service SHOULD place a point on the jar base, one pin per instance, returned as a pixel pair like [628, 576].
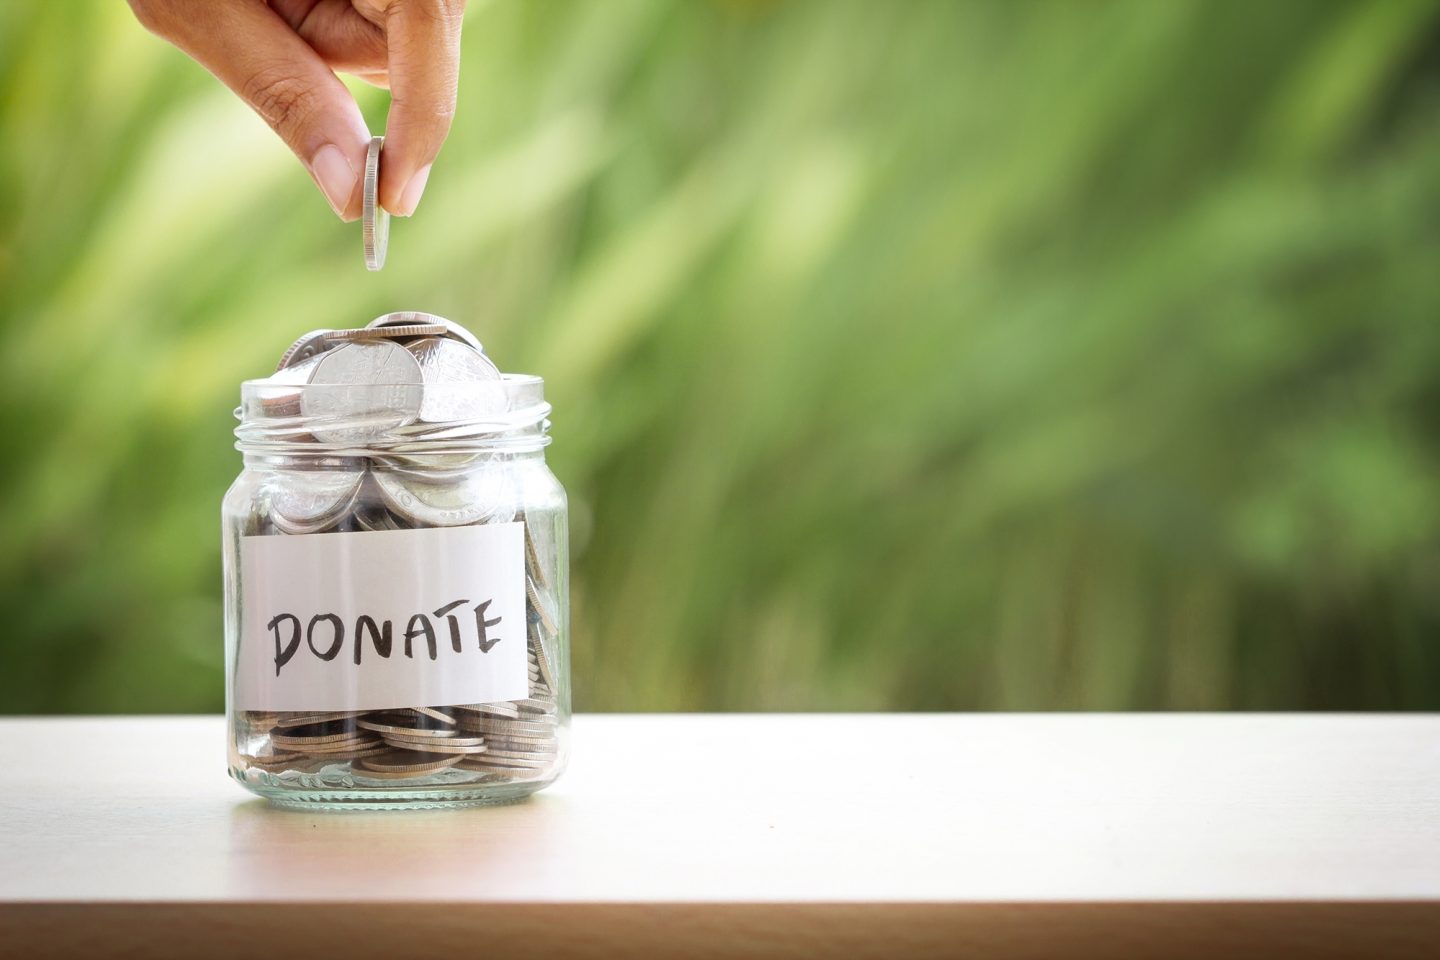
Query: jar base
[419, 797]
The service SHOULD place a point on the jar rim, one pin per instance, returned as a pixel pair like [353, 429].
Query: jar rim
[329, 419]
[518, 380]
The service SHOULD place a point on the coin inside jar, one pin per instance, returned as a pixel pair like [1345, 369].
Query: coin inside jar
[469, 747]
[310, 501]
[387, 725]
[508, 710]
[409, 761]
[480, 496]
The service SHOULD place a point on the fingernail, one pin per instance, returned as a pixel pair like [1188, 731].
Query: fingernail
[335, 176]
[410, 197]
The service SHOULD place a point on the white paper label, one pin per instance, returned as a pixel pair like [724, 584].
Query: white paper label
[317, 611]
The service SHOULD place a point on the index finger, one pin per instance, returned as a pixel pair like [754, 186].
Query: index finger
[424, 52]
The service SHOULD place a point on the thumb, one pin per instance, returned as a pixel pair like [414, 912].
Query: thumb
[424, 64]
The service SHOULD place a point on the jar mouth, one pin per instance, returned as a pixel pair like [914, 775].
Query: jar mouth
[329, 419]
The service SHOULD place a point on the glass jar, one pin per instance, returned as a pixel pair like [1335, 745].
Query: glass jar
[396, 597]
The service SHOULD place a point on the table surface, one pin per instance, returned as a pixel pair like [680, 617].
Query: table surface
[901, 809]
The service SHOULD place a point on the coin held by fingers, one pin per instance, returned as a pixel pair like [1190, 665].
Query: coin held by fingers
[374, 219]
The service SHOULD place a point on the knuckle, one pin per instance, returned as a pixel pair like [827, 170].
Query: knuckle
[284, 100]
[442, 112]
[438, 11]
[425, 111]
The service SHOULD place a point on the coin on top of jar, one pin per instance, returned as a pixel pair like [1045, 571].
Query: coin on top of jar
[398, 332]
[307, 345]
[408, 317]
[460, 382]
[373, 387]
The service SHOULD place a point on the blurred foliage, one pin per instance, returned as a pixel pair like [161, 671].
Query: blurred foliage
[904, 355]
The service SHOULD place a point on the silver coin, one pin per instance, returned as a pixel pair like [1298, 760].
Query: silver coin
[308, 501]
[406, 317]
[307, 719]
[381, 727]
[434, 714]
[310, 345]
[409, 761]
[538, 739]
[279, 393]
[274, 763]
[285, 740]
[544, 611]
[483, 495]
[510, 766]
[547, 675]
[492, 770]
[384, 391]
[425, 435]
[534, 746]
[354, 746]
[532, 561]
[370, 512]
[374, 219]
[460, 383]
[374, 517]
[538, 757]
[518, 763]
[433, 467]
[372, 749]
[442, 747]
[414, 742]
[506, 710]
[510, 728]
[398, 332]
[262, 718]
[361, 772]
[530, 746]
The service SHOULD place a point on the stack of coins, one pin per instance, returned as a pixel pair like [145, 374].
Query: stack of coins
[394, 487]
[513, 739]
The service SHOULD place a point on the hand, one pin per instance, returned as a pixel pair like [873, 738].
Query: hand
[281, 58]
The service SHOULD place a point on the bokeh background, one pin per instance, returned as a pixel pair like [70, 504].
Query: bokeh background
[904, 355]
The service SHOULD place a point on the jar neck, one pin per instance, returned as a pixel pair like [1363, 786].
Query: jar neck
[258, 459]
[317, 423]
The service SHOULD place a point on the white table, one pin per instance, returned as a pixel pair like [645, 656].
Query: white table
[761, 835]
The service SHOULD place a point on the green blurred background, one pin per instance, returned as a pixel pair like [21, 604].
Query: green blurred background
[904, 355]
